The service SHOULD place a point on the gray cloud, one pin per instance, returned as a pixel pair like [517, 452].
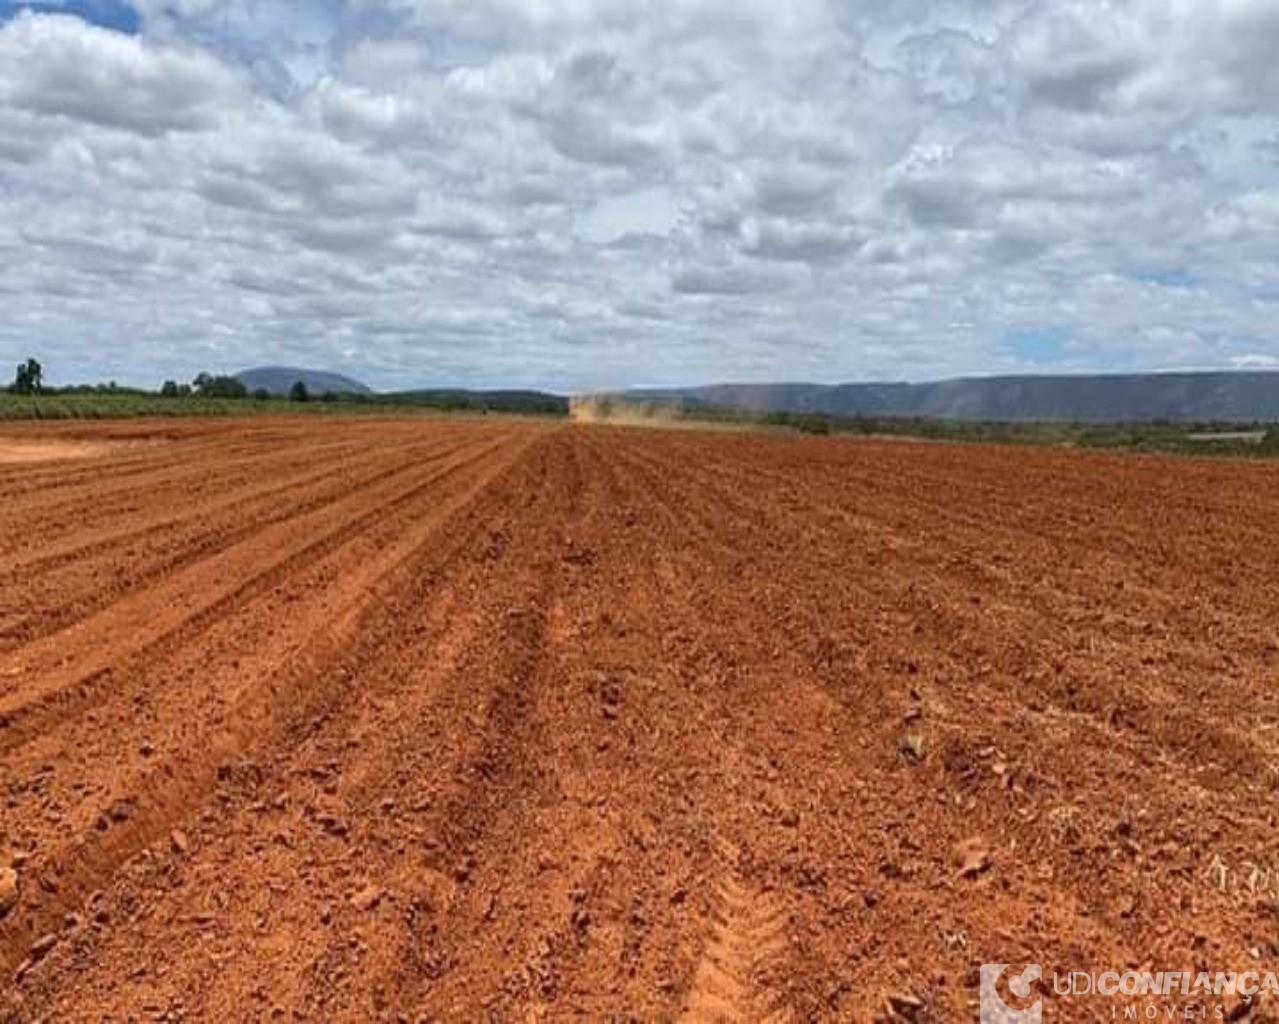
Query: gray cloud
[577, 193]
[726, 280]
[935, 202]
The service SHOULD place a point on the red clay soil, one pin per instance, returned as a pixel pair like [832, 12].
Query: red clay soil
[468, 721]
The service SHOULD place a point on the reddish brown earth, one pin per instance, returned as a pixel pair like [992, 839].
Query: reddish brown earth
[465, 721]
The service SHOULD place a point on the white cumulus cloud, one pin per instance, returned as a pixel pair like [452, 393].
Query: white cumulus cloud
[584, 193]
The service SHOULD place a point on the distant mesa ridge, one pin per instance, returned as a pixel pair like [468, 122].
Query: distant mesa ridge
[1238, 397]
[1198, 396]
[278, 380]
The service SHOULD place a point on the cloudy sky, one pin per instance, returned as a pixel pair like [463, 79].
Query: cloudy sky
[596, 193]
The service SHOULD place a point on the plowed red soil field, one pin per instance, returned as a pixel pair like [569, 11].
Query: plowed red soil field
[468, 721]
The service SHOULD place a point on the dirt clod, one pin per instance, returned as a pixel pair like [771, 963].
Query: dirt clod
[42, 946]
[972, 857]
[8, 890]
[368, 897]
[913, 746]
[906, 1006]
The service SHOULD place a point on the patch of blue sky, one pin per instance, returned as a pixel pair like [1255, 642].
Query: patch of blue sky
[285, 45]
[1036, 344]
[1166, 277]
[447, 49]
[112, 14]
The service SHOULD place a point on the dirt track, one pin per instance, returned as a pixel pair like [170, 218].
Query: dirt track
[457, 721]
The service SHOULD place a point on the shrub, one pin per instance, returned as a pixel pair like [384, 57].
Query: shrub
[816, 423]
[209, 386]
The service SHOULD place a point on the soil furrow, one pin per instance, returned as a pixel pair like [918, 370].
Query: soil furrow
[185, 605]
[286, 692]
[79, 591]
[266, 483]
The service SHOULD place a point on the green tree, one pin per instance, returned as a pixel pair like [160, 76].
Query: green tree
[299, 393]
[169, 389]
[29, 378]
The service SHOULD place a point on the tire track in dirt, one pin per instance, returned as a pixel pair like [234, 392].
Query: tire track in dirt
[747, 934]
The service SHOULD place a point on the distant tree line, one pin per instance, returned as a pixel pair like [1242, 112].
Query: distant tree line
[208, 385]
[29, 380]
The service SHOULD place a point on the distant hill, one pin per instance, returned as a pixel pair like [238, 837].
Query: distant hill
[279, 379]
[1224, 397]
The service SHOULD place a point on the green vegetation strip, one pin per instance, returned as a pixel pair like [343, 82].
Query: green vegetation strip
[121, 404]
[1256, 440]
